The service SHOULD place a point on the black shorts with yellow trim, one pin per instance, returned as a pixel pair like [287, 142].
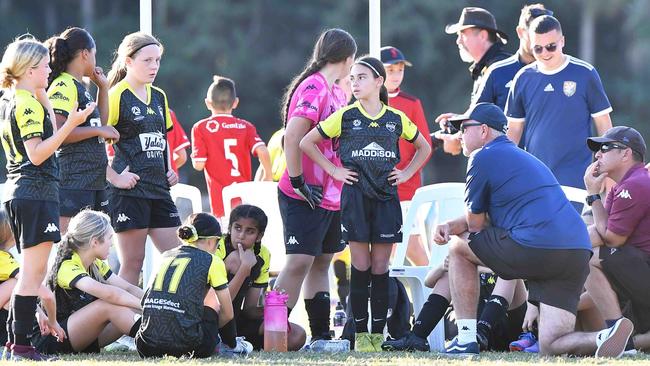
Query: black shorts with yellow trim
[128, 213]
[71, 201]
[50, 346]
[33, 222]
[369, 220]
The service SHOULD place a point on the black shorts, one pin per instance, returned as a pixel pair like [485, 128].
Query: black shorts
[368, 220]
[129, 213]
[74, 200]
[50, 346]
[628, 269]
[307, 231]
[555, 276]
[33, 222]
[250, 328]
[205, 349]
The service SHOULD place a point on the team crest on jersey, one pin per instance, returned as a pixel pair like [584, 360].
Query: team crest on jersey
[356, 124]
[391, 126]
[569, 88]
[212, 126]
[136, 111]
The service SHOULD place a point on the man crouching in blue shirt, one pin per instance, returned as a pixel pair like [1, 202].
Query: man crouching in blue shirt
[521, 225]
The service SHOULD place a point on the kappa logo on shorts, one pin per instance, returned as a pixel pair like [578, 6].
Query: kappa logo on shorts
[51, 227]
[292, 240]
[624, 194]
[343, 229]
[122, 218]
[103, 203]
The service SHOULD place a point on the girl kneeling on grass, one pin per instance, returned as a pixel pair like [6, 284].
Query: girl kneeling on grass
[371, 219]
[94, 306]
[247, 263]
[188, 305]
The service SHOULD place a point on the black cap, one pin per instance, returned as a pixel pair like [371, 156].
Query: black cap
[392, 55]
[473, 17]
[485, 113]
[627, 136]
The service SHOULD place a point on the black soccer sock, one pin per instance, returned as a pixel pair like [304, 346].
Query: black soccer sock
[359, 294]
[493, 312]
[379, 301]
[318, 312]
[343, 282]
[228, 333]
[135, 328]
[24, 310]
[4, 315]
[432, 311]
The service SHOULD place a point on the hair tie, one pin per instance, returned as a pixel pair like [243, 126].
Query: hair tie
[369, 65]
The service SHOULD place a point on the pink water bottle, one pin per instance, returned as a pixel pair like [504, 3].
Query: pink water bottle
[275, 321]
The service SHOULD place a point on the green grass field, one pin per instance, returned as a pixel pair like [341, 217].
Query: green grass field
[352, 358]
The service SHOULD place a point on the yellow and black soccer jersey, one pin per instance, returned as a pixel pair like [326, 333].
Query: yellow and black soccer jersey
[22, 118]
[143, 126]
[172, 307]
[9, 267]
[369, 145]
[82, 165]
[68, 297]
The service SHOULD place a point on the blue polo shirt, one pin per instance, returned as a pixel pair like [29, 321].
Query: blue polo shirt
[557, 108]
[498, 81]
[522, 197]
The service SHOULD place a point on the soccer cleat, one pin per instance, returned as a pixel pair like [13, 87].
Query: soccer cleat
[330, 346]
[460, 350]
[611, 342]
[376, 339]
[482, 339]
[525, 340]
[409, 342]
[362, 343]
[122, 344]
[242, 348]
[533, 348]
[6, 352]
[28, 353]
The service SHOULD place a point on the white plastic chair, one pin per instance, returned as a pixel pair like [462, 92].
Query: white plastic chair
[265, 196]
[152, 257]
[445, 201]
[574, 194]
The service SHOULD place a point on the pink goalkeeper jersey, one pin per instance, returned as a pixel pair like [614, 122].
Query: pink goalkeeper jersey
[314, 101]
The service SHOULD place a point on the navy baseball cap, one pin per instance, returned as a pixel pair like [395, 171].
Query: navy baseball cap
[485, 113]
[627, 136]
[392, 55]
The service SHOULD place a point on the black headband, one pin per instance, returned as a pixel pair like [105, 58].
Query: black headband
[141, 47]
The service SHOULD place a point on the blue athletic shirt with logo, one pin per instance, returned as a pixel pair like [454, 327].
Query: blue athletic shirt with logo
[557, 108]
[522, 197]
[498, 80]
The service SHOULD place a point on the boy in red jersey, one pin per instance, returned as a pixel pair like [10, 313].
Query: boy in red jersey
[222, 144]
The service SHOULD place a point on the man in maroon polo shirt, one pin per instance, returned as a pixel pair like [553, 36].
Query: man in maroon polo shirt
[395, 62]
[620, 266]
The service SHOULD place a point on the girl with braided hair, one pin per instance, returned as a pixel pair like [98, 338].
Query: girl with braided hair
[94, 306]
[309, 198]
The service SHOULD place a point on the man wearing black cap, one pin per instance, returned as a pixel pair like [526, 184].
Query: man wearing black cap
[480, 42]
[532, 232]
[621, 231]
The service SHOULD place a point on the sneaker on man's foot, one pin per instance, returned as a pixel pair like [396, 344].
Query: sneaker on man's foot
[525, 340]
[376, 339]
[409, 342]
[532, 349]
[456, 349]
[28, 353]
[362, 343]
[242, 348]
[611, 342]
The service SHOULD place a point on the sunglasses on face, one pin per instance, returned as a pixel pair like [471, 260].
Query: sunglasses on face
[609, 147]
[469, 124]
[551, 47]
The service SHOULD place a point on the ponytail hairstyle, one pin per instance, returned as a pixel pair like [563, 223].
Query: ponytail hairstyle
[333, 46]
[82, 229]
[65, 47]
[377, 69]
[130, 46]
[6, 235]
[255, 213]
[22, 54]
[199, 226]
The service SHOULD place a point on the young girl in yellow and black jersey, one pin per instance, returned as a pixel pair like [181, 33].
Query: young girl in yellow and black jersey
[82, 157]
[188, 305]
[31, 196]
[371, 219]
[94, 306]
[140, 113]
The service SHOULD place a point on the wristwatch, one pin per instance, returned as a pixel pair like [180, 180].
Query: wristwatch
[591, 199]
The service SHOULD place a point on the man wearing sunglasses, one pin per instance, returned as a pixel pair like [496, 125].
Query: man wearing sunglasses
[532, 233]
[621, 230]
[552, 103]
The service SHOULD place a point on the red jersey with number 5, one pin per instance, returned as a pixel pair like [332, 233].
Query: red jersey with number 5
[225, 144]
